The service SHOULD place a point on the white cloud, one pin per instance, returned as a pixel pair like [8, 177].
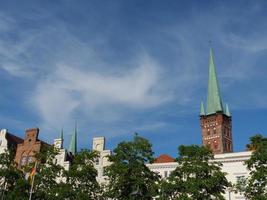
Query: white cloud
[16, 70]
[71, 89]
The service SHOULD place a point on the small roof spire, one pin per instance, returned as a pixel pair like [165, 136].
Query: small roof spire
[227, 110]
[73, 141]
[61, 134]
[202, 109]
[214, 102]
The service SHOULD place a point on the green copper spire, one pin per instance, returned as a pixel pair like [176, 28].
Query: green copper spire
[214, 102]
[73, 142]
[61, 134]
[227, 110]
[202, 109]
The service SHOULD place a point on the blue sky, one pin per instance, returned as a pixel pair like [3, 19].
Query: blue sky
[119, 67]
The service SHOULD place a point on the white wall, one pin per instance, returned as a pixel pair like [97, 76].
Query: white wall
[102, 162]
[3, 141]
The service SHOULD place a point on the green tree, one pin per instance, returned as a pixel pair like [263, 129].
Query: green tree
[48, 173]
[255, 186]
[129, 177]
[196, 177]
[80, 180]
[12, 182]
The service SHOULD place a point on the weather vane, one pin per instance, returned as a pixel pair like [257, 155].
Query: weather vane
[210, 42]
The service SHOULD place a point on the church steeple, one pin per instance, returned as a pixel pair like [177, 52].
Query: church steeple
[216, 122]
[214, 102]
[73, 141]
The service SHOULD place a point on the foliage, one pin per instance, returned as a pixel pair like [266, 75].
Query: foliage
[129, 177]
[81, 180]
[51, 181]
[12, 182]
[255, 187]
[47, 174]
[196, 177]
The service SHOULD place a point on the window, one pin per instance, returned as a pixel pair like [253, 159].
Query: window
[165, 174]
[23, 160]
[215, 144]
[30, 159]
[229, 146]
[97, 161]
[214, 131]
[0, 142]
[224, 145]
[241, 181]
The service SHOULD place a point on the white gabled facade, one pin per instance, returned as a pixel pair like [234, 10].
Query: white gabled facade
[102, 161]
[61, 157]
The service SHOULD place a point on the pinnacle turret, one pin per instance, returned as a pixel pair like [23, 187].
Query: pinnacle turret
[202, 109]
[61, 134]
[227, 110]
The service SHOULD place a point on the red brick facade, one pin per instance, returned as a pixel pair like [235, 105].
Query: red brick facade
[31, 145]
[217, 132]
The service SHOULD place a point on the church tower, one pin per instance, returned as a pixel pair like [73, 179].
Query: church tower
[216, 120]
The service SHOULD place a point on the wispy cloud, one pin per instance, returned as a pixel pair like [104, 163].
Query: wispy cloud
[70, 89]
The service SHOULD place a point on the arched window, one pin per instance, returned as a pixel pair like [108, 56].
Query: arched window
[30, 159]
[215, 144]
[23, 160]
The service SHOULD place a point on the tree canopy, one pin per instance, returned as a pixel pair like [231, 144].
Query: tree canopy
[196, 177]
[12, 182]
[129, 177]
[51, 181]
[255, 186]
[80, 180]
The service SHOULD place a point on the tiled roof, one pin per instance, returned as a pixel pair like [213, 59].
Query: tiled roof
[164, 158]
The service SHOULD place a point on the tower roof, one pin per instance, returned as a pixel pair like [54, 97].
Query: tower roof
[214, 101]
[73, 142]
